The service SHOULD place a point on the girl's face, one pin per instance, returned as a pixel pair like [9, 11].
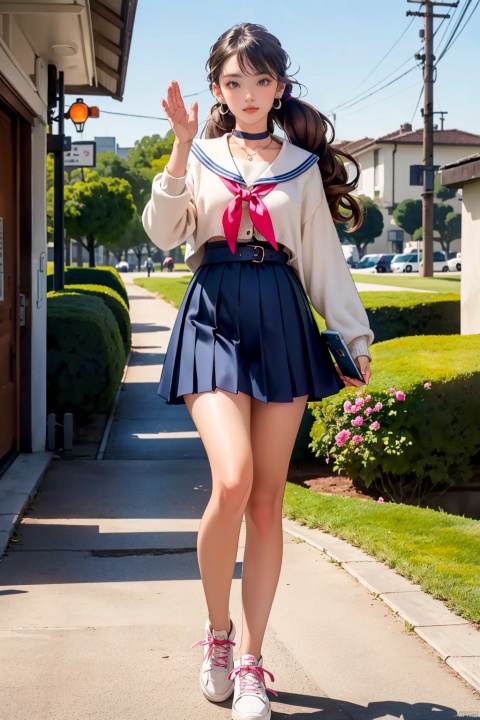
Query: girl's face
[249, 97]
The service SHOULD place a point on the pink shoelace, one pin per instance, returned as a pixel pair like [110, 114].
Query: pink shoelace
[217, 649]
[250, 677]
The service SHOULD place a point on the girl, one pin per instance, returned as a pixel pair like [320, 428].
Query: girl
[256, 212]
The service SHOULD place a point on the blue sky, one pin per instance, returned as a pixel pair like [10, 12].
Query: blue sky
[334, 50]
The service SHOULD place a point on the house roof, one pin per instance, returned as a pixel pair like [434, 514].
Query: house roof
[414, 137]
[112, 26]
[458, 173]
[88, 41]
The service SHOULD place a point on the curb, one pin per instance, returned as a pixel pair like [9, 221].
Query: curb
[18, 487]
[108, 426]
[456, 640]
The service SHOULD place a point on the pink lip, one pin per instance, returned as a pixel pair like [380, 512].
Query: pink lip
[251, 109]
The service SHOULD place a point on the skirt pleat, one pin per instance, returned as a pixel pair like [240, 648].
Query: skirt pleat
[247, 327]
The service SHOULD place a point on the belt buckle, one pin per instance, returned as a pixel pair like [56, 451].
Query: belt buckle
[260, 247]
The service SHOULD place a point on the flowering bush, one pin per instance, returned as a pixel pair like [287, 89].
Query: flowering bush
[358, 454]
[439, 418]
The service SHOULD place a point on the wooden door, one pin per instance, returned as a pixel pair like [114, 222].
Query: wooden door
[8, 287]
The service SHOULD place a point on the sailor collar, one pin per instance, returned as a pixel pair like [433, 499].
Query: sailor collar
[290, 162]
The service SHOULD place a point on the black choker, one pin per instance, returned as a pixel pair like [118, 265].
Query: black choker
[251, 136]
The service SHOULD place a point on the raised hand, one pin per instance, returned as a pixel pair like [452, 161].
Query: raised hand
[184, 125]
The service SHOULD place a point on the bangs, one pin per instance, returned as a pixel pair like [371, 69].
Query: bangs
[255, 59]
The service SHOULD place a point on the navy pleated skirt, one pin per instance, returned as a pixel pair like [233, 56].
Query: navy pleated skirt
[247, 327]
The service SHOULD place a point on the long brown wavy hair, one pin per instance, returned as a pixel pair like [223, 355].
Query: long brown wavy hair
[303, 125]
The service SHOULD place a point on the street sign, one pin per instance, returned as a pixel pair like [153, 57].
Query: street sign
[82, 154]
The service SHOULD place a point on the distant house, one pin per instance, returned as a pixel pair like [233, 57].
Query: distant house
[385, 177]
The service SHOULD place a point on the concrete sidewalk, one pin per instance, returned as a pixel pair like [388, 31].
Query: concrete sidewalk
[101, 598]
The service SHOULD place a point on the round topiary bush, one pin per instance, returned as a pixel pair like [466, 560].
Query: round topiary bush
[93, 276]
[85, 354]
[113, 301]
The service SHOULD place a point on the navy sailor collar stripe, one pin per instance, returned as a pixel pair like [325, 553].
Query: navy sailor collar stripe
[290, 162]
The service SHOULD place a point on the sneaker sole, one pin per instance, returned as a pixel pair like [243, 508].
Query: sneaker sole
[237, 716]
[218, 698]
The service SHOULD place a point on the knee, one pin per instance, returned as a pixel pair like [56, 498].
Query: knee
[264, 511]
[233, 491]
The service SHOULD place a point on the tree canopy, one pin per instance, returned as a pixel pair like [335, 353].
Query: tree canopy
[96, 211]
[371, 228]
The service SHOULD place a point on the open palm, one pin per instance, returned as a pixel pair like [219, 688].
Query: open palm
[184, 125]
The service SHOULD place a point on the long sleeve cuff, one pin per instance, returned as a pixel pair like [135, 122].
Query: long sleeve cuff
[359, 346]
[171, 185]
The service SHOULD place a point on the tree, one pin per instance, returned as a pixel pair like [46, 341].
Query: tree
[448, 224]
[408, 215]
[149, 148]
[95, 212]
[371, 228]
[442, 192]
[135, 238]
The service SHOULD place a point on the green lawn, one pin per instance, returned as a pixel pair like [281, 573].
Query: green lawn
[172, 289]
[441, 283]
[435, 549]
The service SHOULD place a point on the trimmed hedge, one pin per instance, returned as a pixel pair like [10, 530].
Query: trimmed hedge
[85, 354]
[400, 314]
[429, 438]
[103, 275]
[113, 301]
[412, 313]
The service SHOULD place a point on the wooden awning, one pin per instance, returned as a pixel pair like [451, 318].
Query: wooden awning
[112, 26]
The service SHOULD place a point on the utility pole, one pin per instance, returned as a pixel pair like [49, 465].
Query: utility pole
[426, 266]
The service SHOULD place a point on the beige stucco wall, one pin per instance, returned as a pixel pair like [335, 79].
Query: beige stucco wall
[470, 298]
[406, 155]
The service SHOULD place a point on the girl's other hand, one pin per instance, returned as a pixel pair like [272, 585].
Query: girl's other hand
[184, 125]
[363, 364]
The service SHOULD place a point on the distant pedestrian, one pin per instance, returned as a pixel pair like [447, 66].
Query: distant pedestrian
[169, 264]
[149, 265]
[245, 354]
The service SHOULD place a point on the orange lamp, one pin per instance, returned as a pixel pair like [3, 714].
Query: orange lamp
[79, 112]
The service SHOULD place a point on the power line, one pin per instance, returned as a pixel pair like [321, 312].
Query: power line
[361, 99]
[378, 64]
[389, 97]
[418, 103]
[453, 39]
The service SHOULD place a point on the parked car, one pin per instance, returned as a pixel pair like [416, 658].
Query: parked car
[375, 263]
[122, 266]
[410, 262]
[455, 263]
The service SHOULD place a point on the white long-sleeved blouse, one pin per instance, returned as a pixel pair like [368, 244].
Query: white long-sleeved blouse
[191, 209]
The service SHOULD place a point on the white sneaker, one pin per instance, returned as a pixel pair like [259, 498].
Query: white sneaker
[217, 663]
[250, 701]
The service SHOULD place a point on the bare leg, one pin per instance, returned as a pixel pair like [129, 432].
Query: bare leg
[223, 422]
[274, 428]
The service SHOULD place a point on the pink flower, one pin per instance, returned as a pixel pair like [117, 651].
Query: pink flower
[357, 421]
[360, 402]
[380, 499]
[378, 406]
[357, 439]
[368, 398]
[427, 385]
[392, 391]
[359, 392]
[347, 406]
[339, 422]
[375, 425]
[368, 411]
[327, 460]
[356, 450]
[400, 395]
[342, 437]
